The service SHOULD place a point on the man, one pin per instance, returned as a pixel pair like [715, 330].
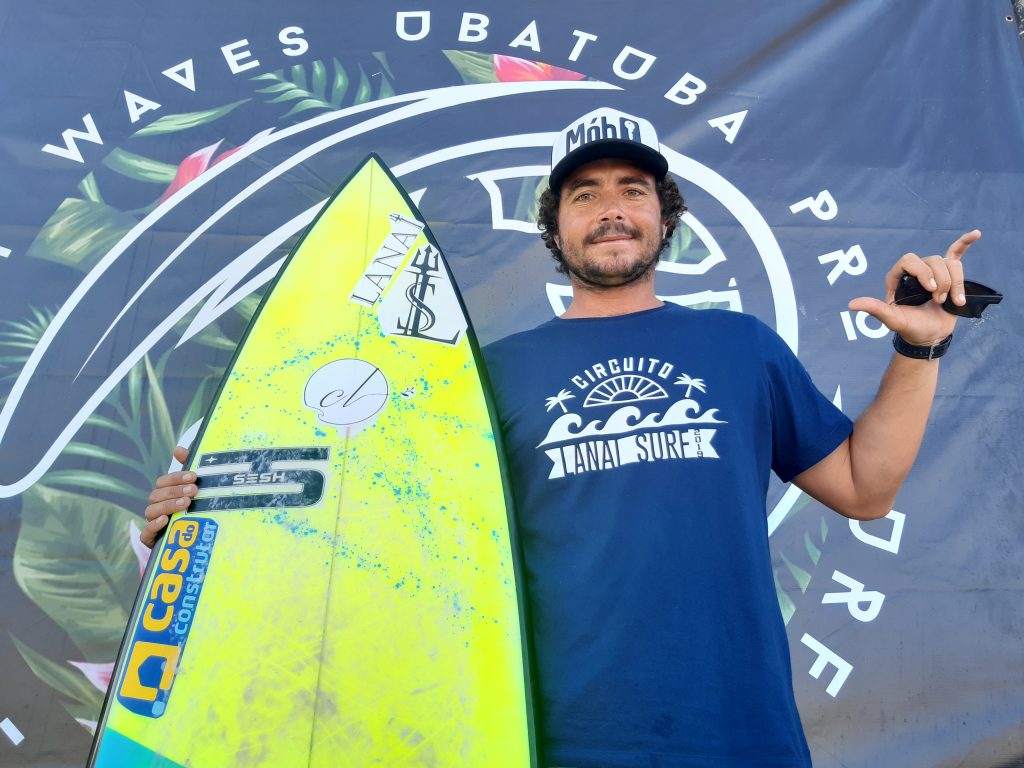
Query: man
[640, 437]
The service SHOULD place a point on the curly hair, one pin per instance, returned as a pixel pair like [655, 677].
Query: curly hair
[672, 208]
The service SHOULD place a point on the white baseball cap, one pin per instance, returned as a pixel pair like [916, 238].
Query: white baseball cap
[606, 132]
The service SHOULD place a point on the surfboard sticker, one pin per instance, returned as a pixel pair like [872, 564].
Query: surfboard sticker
[171, 602]
[343, 590]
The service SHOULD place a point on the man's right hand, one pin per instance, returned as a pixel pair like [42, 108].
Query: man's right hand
[173, 493]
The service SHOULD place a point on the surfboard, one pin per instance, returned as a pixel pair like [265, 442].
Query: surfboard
[344, 590]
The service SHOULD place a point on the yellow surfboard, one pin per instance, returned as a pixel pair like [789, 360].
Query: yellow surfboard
[344, 589]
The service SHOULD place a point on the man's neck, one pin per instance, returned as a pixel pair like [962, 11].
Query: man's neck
[589, 301]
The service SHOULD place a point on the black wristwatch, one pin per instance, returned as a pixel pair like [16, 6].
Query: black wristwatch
[907, 349]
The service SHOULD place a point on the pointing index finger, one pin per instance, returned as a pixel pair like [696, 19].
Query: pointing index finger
[959, 247]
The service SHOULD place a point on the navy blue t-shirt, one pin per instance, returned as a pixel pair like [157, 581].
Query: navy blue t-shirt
[639, 449]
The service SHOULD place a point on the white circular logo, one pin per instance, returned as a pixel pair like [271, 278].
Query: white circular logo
[347, 392]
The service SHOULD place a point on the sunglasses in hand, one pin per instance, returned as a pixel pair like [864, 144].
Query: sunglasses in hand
[910, 292]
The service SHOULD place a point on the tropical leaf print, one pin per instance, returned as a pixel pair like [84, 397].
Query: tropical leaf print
[75, 561]
[528, 201]
[85, 698]
[90, 189]
[187, 120]
[323, 87]
[20, 337]
[80, 232]
[133, 430]
[139, 168]
[80, 560]
[136, 410]
[246, 308]
[797, 569]
[684, 248]
[473, 67]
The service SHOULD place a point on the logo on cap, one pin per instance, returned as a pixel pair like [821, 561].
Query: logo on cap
[606, 132]
[601, 126]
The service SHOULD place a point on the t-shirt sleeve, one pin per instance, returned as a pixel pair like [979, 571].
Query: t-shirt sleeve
[806, 426]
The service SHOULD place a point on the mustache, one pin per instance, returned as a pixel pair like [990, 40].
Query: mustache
[612, 228]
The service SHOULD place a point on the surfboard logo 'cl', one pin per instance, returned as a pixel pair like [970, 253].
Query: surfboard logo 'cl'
[166, 619]
[347, 392]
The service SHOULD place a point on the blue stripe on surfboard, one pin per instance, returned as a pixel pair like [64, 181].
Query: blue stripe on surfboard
[118, 750]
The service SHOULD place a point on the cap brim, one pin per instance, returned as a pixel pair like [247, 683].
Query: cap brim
[643, 156]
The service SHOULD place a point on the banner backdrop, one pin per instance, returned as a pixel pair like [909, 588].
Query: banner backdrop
[159, 161]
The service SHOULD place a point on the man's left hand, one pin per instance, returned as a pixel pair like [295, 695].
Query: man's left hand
[927, 324]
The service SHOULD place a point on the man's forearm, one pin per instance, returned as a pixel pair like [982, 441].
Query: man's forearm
[860, 478]
[888, 434]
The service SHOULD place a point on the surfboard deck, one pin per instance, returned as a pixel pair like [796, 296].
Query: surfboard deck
[344, 588]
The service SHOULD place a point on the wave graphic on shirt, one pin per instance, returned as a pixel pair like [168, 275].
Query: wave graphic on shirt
[628, 419]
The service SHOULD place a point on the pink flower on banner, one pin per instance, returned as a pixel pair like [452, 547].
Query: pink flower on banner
[97, 674]
[193, 166]
[509, 69]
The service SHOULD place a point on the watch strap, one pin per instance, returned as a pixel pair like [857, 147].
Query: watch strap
[907, 349]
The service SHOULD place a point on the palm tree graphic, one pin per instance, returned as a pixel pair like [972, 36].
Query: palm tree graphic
[559, 400]
[683, 380]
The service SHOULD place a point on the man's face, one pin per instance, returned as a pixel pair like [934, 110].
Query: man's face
[609, 223]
